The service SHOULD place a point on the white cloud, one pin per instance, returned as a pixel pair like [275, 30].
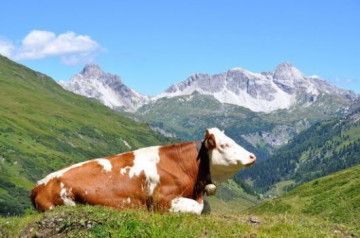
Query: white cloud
[71, 48]
[345, 81]
[6, 48]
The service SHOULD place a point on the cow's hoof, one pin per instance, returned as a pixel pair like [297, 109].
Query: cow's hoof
[210, 189]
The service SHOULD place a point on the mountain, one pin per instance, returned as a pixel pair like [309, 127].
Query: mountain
[44, 128]
[324, 148]
[92, 82]
[262, 111]
[259, 92]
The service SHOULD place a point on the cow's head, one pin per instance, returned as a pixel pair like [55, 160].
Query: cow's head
[226, 156]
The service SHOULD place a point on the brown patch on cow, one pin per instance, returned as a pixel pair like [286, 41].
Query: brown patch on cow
[87, 184]
[45, 197]
[179, 173]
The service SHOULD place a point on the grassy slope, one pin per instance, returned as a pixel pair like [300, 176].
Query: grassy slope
[326, 207]
[230, 197]
[85, 221]
[44, 128]
[335, 197]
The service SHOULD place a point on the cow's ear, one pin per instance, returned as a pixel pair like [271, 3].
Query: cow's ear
[207, 133]
[211, 143]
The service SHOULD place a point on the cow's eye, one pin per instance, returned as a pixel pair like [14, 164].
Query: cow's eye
[226, 145]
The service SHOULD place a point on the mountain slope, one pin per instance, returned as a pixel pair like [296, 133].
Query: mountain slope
[44, 127]
[261, 133]
[324, 148]
[335, 197]
[262, 111]
[186, 116]
[92, 82]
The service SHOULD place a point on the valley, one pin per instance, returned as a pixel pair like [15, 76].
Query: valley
[249, 106]
[308, 153]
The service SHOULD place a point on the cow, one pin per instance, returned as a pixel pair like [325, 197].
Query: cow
[170, 178]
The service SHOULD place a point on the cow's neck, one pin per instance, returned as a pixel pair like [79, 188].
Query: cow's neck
[185, 155]
[203, 176]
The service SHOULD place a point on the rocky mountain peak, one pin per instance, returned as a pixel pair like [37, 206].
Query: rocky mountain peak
[290, 79]
[108, 88]
[259, 92]
[92, 70]
[286, 71]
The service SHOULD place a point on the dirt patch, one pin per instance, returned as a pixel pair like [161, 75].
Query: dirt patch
[57, 226]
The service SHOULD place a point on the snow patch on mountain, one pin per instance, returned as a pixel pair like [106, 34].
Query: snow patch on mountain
[259, 92]
[92, 82]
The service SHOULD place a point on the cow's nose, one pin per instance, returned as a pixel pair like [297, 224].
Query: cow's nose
[252, 158]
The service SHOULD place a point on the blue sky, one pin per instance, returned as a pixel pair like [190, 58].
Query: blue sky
[153, 44]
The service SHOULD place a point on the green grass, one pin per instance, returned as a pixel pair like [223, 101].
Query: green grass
[335, 198]
[279, 188]
[231, 198]
[44, 128]
[325, 207]
[87, 221]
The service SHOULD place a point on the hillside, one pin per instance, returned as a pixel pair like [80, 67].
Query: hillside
[88, 221]
[335, 197]
[324, 148]
[261, 133]
[44, 127]
[186, 116]
[325, 207]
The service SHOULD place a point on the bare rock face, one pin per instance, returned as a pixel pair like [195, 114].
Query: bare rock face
[259, 92]
[92, 82]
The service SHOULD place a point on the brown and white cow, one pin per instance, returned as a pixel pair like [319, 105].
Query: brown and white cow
[158, 178]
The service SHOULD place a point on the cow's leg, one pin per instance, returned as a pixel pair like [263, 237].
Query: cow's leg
[206, 207]
[186, 205]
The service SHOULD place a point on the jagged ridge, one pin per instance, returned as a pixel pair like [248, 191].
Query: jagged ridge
[259, 92]
[92, 82]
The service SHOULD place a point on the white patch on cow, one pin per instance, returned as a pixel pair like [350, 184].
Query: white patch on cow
[86, 192]
[51, 207]
[228, 157]
[128, 200]
[105, 163]
[64, 196]
[59, 173]
[186, 205]
[145, 160]
[123, 170]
